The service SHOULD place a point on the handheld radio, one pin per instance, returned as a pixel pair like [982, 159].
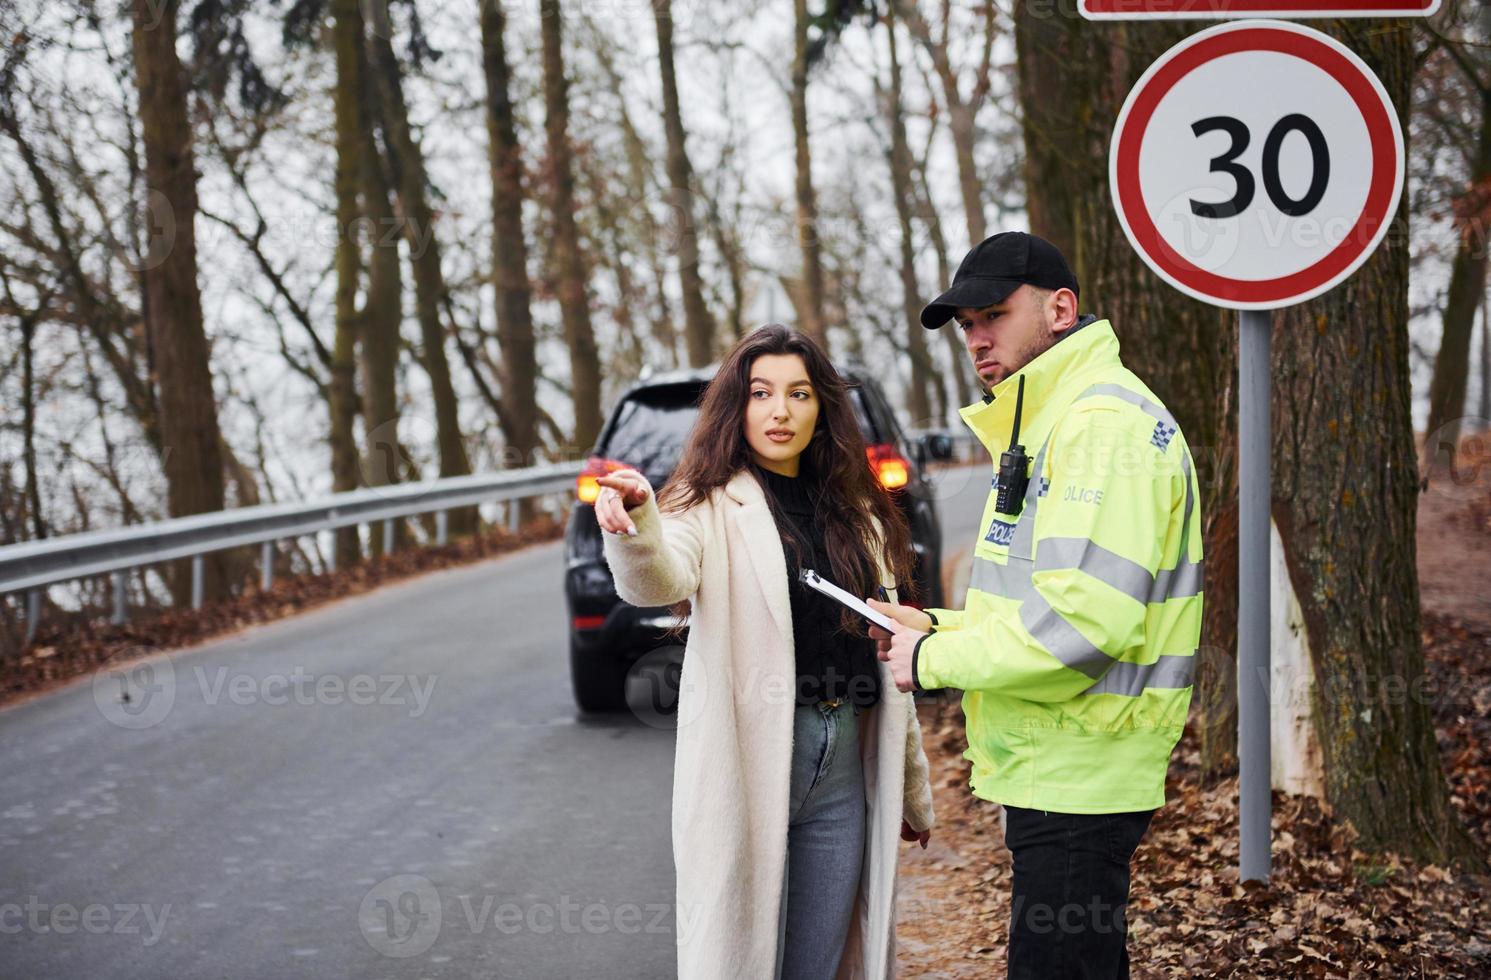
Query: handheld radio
[1013, 462]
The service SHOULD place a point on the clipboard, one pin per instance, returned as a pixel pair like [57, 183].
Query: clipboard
[854, 602]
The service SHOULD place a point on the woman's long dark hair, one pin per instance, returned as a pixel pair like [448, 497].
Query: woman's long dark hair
[837, 472]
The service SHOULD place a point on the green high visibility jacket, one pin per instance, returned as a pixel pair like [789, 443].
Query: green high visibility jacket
[1076, 646]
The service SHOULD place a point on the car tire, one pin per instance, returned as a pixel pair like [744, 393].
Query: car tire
[598, 678]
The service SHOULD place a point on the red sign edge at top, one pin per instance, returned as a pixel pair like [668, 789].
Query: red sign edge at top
[1228, 9]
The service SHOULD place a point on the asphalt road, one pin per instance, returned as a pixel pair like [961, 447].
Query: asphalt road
[397, 785]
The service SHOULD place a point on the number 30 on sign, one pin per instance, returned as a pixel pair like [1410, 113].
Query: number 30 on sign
[1256, 164]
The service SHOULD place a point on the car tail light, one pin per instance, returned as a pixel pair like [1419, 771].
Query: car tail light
[589, 622]
[891, 468]
[586, 487]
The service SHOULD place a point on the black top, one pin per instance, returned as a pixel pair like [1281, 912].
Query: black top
[831, 662]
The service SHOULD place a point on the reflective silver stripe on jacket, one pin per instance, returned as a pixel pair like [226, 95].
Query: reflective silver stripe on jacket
[1011, 581]
[1124, 574]
[1063, 640]
[1157, 412]
[1130, 680]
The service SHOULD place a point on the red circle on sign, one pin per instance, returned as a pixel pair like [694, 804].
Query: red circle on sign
[1380, 191]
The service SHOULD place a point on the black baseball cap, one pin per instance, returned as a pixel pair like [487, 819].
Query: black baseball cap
[996, 267]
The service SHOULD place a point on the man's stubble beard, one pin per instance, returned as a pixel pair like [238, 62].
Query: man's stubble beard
[1039, 344]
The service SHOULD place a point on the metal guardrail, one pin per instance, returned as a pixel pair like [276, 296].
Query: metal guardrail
[33, 564]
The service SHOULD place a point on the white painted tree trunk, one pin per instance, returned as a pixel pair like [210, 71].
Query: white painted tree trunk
[1296, 759]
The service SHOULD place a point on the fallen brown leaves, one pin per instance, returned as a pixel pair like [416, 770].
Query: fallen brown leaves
[1329, 911]
[79, 646]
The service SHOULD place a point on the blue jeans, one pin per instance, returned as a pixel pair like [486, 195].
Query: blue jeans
[825, 842]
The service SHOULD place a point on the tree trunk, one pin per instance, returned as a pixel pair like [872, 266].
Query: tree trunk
[1344, 470]
[1345, 500]
[698, 324]
[1065, 91]
[515, 337]
[1467, 287]
[961, 368]
[922, 371]
[28, 429]
[810, 306]
[188, 412]
[730, 254]
[568, 262]
[380, 321]
[350, 146]
[417, 220]
[1074, 76]
[1484, 410]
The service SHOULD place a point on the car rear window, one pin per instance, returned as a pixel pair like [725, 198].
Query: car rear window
[651, 426]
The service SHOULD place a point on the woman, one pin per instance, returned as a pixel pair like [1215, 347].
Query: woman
[797, 758]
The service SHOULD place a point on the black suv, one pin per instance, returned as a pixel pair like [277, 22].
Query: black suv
[646, 432]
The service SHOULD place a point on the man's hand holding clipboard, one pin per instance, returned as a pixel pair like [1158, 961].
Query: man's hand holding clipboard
[896, 629]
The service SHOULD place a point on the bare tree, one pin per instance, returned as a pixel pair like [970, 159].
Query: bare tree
[416, 218]
[962, 111]
[378, 324]
[173, 304]
[1467, 287]
[809, 296]
[567, 258]
[637, 222]
[698, 324]
[923, 372]
[351, 129]
[515, 335]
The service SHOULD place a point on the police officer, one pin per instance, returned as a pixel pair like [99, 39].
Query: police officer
[1076, 646]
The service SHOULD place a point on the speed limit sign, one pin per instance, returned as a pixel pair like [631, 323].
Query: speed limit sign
[1256, 164]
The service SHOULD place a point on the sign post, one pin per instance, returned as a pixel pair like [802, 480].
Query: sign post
[1254, 658]
[1254, 166]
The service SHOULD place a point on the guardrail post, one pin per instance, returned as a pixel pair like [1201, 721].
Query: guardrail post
[121, 597]
[196, 581]
[266, 566]
[388, 536]
[331, 556]
[513, 510]
[33, 613]
[442, 526]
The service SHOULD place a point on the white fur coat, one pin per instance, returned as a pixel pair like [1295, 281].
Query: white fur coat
[732, 768]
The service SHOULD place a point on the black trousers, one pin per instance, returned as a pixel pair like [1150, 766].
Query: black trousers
[1068, 920]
